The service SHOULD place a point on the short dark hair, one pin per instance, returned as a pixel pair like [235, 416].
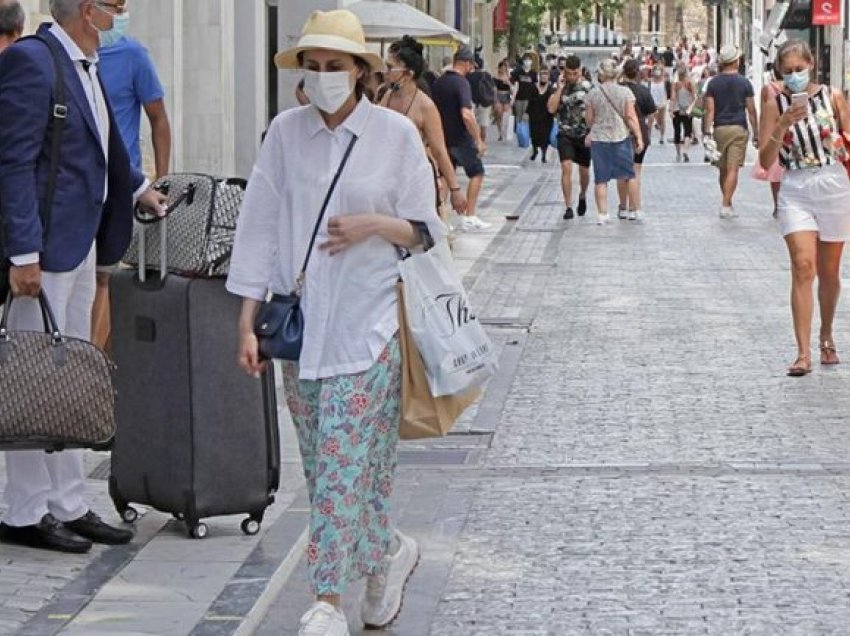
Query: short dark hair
[631, 69]
[12, 18]
[573, 62]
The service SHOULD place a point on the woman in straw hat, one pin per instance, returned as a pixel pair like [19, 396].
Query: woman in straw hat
[344, 391]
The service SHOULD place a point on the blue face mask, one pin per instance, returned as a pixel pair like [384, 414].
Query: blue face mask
[112, 36]
[797, 82]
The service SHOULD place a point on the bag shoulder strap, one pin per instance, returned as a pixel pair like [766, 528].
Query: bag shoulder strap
[59, 114]
[610, 101]
[299, 281]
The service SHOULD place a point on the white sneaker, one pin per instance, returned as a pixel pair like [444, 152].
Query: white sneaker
[601, 219]
[634, 215]
[473, 224]
[323, 619]
[385, 592]
[726, 212]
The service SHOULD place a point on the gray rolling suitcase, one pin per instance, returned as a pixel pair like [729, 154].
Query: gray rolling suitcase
[196, 437]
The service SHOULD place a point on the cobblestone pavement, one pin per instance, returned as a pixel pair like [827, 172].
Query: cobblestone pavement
[653, 470]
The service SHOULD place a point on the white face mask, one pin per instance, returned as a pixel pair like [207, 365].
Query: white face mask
[328, 91]
[526, 65]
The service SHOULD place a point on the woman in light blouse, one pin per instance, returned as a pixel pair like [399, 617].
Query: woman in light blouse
[344, 392]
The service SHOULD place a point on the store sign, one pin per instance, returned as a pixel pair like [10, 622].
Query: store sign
[501, 22]
[826, 12]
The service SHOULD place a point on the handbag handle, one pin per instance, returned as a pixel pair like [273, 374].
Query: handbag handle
[299, 280]
[50, 326]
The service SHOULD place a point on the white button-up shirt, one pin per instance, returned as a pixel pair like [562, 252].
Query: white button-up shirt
[349, 300]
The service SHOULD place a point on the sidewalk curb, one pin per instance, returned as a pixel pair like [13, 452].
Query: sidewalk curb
[275, 585]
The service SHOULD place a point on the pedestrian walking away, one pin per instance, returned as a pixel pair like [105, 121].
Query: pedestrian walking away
[684, 98]
[773, 175]
[611, 117]
[343, 392]
[404, 73]
[567, 103]
[56, 250]
[132, 85]
[540, 118]
[483, 97]
[660, 89]
[802, 127]
[729, 104]
[453, 96]
[629, 190]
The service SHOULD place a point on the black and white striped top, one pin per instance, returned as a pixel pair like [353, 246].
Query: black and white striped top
[808, 143]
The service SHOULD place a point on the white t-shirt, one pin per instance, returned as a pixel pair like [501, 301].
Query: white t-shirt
[349, 299]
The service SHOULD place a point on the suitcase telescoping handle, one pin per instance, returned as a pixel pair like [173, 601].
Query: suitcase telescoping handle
[187, 196]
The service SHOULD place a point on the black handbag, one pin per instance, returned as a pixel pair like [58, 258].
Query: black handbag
[279, 325]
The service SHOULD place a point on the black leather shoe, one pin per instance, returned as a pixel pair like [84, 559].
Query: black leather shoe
[568, 214]
[93, 527]
[47, 534]
[582, 206]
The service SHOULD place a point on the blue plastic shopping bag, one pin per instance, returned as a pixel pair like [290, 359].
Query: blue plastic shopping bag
[523, 134]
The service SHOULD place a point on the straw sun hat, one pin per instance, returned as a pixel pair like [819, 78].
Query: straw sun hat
[332, 30]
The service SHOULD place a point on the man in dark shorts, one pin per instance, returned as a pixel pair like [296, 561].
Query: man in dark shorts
[453, 96]
[567, 102]
[629, 190]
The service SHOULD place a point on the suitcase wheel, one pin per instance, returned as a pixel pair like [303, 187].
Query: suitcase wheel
[250, 526]
[198, 531]
[129, 514]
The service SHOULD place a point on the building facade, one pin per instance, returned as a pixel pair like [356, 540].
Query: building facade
[665, 22]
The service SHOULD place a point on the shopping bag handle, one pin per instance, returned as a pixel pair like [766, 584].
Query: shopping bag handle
[49, 320]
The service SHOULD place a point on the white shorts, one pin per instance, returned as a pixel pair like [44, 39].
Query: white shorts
[815, 200]
[482, 115]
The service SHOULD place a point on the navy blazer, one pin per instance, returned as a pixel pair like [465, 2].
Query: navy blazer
[79, 215]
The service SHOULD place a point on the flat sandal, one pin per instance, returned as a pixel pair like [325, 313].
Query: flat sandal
[828, 353]
[802, 366]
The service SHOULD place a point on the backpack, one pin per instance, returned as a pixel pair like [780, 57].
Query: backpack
[484, 89]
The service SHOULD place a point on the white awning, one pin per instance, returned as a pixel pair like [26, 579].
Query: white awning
[593, 35]
[391, 19]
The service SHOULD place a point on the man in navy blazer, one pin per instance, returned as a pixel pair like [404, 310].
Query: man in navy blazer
[90, 223]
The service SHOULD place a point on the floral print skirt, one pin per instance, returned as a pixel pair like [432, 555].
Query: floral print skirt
[348, 436]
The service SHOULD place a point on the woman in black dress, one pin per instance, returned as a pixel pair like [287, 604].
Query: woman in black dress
[540, 119]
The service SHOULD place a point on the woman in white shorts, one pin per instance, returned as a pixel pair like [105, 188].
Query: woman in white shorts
[813, 208]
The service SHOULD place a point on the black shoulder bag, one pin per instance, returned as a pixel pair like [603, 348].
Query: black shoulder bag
[58, 113]
[279, 325]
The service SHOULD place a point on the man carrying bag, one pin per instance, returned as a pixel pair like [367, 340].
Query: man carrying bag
[55, 250]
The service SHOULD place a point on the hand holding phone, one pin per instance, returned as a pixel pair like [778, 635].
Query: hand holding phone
[800, 99]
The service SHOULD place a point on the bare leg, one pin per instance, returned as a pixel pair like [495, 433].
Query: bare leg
[567, 182]
[634, 189]
[472, 193]
[602, 199]
[829, 285]
[774, 190]
[730, 184]
[583, 180]
[802, 248]
[332, 599]
[623, 193]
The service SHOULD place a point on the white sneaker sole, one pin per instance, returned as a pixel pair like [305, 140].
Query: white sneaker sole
[371, 626]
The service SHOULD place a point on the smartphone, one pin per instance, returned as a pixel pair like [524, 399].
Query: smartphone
[800, 99]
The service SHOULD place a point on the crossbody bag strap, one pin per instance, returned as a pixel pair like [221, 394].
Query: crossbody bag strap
[59, 113]
[610, 101]
[299, 281]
